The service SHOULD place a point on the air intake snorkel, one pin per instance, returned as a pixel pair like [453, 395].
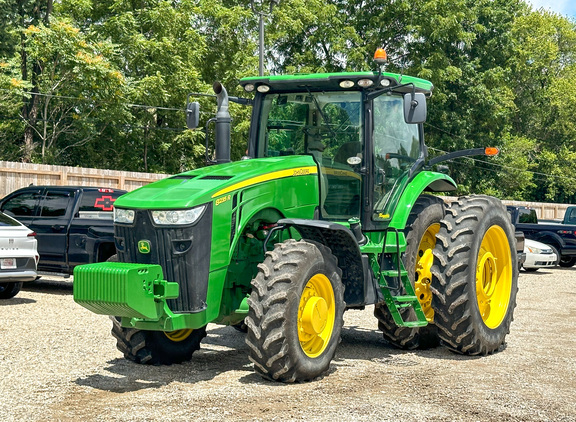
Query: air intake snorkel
[223, 120]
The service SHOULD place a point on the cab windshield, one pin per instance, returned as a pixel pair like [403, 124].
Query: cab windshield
[309, 123]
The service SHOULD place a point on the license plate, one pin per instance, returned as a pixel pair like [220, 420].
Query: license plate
[8, 263]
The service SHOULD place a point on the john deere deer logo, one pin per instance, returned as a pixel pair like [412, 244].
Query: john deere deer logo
[144, 246]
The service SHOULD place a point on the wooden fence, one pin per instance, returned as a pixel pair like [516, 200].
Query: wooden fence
[544, 211]
[17, 175]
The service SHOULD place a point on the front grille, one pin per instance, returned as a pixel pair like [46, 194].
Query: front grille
[182, 252]
[545, 263]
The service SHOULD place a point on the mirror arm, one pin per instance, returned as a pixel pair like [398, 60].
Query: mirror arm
[375, 94]
[456, 154]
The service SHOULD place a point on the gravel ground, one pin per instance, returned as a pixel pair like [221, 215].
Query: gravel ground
[59, 362]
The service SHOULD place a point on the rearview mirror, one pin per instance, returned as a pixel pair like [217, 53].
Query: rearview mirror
[192, 115]
[414, 107]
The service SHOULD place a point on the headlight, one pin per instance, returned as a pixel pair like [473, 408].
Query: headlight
[123, 216]
[534, 250]
[365, 83]
[178, 217]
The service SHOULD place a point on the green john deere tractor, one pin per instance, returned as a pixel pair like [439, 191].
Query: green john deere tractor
[327, 212]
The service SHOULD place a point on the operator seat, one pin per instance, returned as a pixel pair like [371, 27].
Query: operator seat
[347, 150]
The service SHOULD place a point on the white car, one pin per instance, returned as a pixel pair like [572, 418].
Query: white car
[18, 256]
[539, 255]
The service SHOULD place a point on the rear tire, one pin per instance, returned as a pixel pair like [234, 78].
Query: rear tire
[421, 228]
[475, 276]
[9, 290]
[295, 312]
[156, 347]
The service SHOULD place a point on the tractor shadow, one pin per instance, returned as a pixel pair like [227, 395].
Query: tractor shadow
[360, 343]
[224, 351]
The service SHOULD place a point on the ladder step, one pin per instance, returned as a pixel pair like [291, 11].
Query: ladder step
[394, 273]
[415, 323]
[410, 299]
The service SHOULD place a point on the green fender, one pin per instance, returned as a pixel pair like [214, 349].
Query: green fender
[426, 180]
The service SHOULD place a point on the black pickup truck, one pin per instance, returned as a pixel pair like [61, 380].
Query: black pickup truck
[561, 237]
[74, 225]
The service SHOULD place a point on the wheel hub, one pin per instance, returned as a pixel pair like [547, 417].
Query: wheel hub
[315, 315]
[422, 284]
[424, 262]
[493, 276]
[179, 335]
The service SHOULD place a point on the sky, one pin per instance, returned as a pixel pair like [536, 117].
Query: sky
[564, 7]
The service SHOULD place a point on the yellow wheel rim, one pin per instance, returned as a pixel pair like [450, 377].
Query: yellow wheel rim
[424, 261]
[316, 315]
[494, 276]
[179, 335]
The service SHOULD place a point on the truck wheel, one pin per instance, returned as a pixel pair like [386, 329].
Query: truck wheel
[475, 276]
[156, 347]
[9, 290]
[421, 228]
[295, 312]
[567, 261]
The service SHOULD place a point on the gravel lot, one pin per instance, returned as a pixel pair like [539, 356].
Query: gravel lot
[59, 362]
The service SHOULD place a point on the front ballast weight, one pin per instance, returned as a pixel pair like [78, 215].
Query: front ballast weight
[125, 290]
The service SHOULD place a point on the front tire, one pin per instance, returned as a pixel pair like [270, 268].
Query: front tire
[9, 290]
[156, 347]
[421, 228]
[295, 312]
[475, 276]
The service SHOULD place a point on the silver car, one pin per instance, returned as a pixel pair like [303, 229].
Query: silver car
[18, 256]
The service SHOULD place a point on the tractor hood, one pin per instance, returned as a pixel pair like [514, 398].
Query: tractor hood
[206, 184]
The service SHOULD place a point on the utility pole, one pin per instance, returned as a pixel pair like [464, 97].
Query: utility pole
[261, 15]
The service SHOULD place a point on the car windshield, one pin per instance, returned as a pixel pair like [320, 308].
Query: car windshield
[8, 221]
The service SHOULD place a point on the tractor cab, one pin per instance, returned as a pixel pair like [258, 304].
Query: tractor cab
[360, 129]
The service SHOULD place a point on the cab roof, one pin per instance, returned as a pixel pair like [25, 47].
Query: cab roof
[331, 81]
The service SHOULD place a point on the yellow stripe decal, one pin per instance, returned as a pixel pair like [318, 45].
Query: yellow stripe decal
[299, 171]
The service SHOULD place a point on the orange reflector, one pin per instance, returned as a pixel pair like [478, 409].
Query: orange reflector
[491, 151]
[380, 55]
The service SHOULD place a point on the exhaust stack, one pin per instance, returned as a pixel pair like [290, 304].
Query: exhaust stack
[223, 120]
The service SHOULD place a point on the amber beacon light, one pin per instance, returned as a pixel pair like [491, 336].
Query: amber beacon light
[380, 56]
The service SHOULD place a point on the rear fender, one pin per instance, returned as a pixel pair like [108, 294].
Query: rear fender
[424, 181]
